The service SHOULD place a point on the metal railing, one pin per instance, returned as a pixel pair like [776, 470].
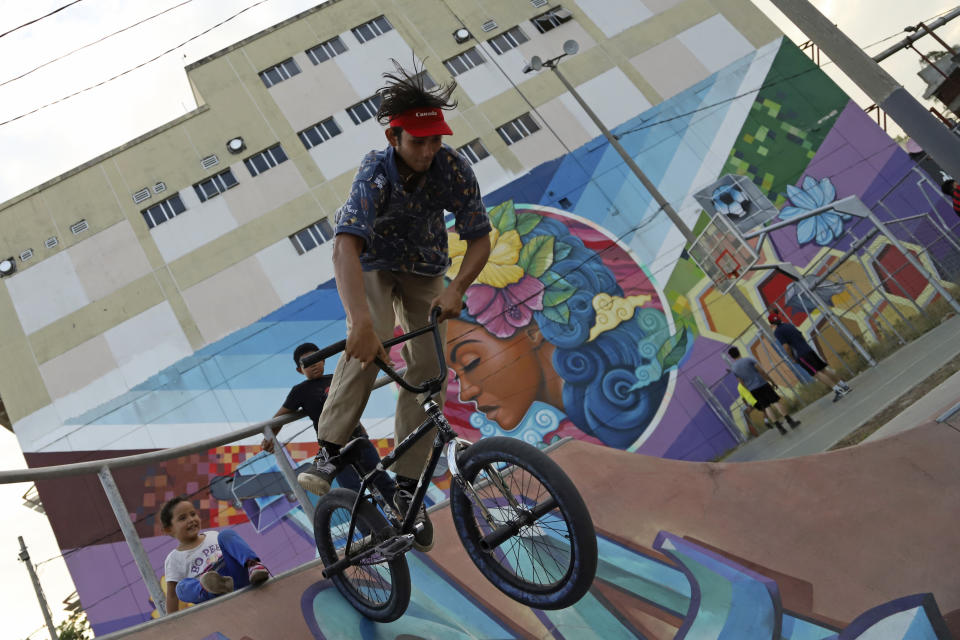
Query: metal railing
[104, 470]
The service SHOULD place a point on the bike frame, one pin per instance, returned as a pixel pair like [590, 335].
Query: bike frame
[435, 419]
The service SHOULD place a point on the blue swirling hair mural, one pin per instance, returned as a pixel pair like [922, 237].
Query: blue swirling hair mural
[548, 324]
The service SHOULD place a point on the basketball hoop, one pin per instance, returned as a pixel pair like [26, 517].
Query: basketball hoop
[728, 264]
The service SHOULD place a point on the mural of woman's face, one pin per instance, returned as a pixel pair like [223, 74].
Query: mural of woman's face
[503, 376]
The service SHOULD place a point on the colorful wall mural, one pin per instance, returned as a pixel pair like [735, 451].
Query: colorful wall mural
[590, 321]
[741, 571]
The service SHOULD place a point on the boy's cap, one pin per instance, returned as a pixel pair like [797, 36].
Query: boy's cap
[774, 317]
[422, 122]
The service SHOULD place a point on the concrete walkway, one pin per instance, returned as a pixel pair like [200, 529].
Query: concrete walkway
[825, 423]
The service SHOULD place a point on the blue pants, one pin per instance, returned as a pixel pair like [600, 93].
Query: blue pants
[369, 459]
[236, 553]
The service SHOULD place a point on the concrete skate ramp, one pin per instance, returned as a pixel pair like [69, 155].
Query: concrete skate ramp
[861, 542]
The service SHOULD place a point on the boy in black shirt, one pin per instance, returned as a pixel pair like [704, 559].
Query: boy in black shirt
[309, 397]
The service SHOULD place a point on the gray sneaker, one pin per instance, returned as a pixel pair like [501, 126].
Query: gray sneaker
[216, 583]
[320, 475]
[423, 539]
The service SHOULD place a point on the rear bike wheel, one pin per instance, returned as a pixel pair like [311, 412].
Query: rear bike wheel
[529, 531]
[376, 587]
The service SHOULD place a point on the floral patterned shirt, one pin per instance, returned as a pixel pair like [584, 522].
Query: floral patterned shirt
[406, 231]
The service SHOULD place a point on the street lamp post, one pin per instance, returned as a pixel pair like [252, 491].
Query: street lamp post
[570, 47]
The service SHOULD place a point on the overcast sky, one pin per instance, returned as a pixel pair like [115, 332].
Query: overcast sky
[42, 145]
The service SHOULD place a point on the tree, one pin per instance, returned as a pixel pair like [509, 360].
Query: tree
[76, 627]
[933, 56]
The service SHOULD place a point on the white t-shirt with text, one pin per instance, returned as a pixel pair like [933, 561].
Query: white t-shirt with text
[192, 562]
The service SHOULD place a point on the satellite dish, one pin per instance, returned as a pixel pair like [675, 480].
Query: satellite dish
[536, 63]
[570, 47]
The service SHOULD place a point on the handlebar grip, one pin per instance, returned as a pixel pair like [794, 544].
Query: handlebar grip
[324, 353]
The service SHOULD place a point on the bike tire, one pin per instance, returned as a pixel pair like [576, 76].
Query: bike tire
[549, 564]
[378, 590]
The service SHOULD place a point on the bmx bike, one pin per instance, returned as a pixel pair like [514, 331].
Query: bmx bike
[517, 514]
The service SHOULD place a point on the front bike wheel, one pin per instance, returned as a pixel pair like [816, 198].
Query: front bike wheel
[527, 529]
[376, 587]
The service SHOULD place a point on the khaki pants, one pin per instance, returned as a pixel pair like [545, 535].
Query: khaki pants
[394, 298]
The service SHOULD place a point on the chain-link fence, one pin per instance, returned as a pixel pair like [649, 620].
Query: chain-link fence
[855, 306]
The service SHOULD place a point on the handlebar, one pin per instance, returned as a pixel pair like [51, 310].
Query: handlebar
[433, 385]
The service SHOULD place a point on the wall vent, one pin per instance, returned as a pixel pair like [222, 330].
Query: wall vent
[26, 255]
[210, 161]
[538, 3]
[489, 26]
[79, 227]
[140, 196]
[160, 187]
[51, 242]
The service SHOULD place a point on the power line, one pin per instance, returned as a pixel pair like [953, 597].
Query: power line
[35, 20]
[182, 44]
[142, 64]
[90, 44]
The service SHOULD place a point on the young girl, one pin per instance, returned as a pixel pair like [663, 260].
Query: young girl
[204, 564]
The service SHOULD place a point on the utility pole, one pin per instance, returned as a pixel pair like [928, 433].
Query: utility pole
[25, 557]
[570, 47]
[906, 111]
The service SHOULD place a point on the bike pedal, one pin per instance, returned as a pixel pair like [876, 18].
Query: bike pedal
[395, 546]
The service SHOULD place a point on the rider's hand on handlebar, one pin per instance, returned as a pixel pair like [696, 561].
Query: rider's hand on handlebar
[450, 303]
[363, 344]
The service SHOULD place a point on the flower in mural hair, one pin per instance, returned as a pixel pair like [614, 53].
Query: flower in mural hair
[822, 229]
[730, 200]
[504, 310]
[501, 269]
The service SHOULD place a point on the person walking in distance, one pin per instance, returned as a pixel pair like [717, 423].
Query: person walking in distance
[762, 387]
[390, 255]
[951, 189]
[803, 354]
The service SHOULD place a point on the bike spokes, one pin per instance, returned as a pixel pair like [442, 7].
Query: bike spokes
[515, 502]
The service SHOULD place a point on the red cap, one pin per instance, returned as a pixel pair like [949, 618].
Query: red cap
[774, 317]
[422, 122]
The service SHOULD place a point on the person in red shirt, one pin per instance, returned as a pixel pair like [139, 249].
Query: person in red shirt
[951, 189]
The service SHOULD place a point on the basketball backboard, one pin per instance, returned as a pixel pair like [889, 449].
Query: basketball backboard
[722, 253]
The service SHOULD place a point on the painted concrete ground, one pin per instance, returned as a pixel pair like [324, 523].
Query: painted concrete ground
[857, 543]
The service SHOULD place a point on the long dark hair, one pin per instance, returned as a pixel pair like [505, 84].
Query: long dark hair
[404, 91]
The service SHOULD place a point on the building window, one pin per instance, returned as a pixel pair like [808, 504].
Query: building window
[312, 237]
[518, 129]
[363, 111]
[326, 50]
[163, 211]
[370, 30]
[279, 72]
[551, 19]
[467, 60]
[428, 82]
[474, 151]
[266, 159]
[215, 186]
[320, 132]
[508, 40]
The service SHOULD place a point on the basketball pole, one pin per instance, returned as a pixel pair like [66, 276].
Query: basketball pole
[745, 305]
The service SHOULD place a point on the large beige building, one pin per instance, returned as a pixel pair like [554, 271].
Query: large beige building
[147, 253]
